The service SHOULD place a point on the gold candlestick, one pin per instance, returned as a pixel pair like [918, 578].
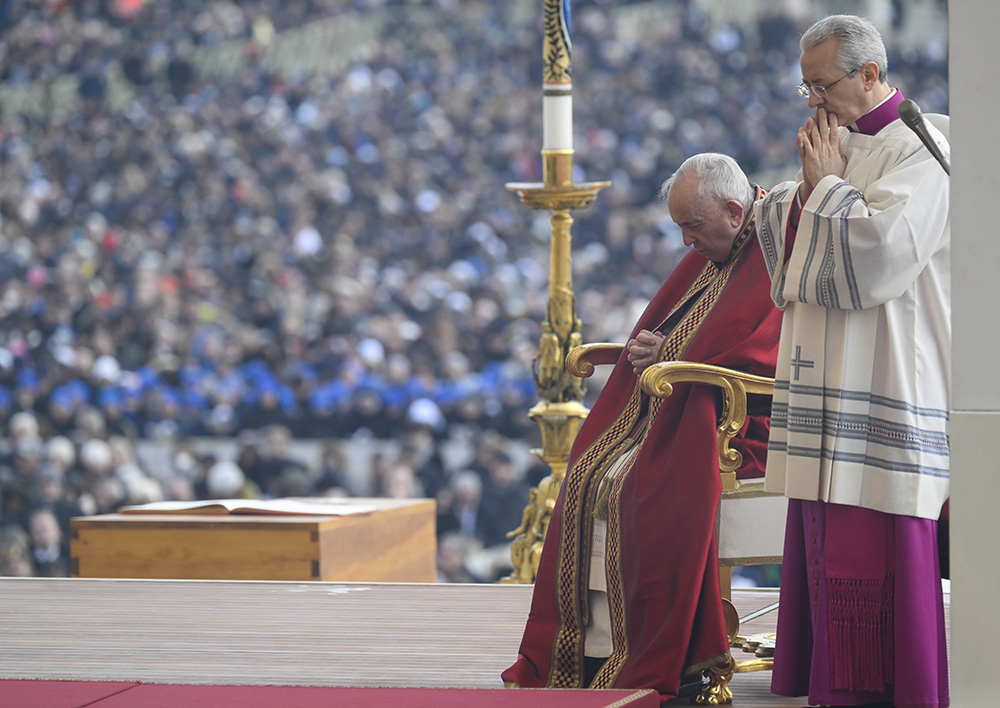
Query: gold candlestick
[560, 412]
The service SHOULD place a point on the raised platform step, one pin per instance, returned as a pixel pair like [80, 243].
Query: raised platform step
[272, 633]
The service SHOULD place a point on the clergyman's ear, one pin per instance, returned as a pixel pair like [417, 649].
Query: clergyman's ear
[736, 212]
[869, 74]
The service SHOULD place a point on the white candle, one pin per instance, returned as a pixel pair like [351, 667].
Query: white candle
[557, 117]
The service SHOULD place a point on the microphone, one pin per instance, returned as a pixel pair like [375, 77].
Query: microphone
[910, 114]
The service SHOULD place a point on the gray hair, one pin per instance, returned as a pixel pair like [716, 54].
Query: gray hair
[860, 42]
[721, 178]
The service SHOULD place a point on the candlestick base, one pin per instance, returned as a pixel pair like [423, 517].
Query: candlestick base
[559, 423]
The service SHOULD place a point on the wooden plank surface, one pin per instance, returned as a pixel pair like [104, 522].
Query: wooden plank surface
[287, 633]
[260, 633]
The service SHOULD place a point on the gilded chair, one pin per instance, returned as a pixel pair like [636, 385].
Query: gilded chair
[751, 522]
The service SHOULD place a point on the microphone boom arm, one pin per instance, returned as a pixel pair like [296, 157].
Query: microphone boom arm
[910, 114]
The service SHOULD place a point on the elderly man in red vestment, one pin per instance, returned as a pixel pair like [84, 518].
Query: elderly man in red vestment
[627, 593]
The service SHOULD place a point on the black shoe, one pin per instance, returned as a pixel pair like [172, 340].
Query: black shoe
[690, 685]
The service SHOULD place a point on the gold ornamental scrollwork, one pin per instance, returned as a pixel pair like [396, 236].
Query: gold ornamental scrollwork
[716, 692]
[659, 379]
[558, 423]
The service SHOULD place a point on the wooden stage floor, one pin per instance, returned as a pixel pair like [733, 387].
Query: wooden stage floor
[287, 633]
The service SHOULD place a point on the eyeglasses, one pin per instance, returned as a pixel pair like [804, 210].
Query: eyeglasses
[804, 89]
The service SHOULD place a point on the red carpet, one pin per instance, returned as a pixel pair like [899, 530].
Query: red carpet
[57, 694]
[89, 694]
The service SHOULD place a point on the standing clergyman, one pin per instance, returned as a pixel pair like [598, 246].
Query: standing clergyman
[858, 248]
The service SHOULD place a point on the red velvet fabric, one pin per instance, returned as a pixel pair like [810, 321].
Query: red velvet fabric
[667, 507]
[57, 694]
[78, 694]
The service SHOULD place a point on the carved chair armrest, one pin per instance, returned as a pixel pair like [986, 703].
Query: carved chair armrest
[581, 360]
[658, 380]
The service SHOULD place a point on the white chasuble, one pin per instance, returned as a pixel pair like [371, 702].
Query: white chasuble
[862, 390]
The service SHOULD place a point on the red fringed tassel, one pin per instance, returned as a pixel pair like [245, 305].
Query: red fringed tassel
[861, 634]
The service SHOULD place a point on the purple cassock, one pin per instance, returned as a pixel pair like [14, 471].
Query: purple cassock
[862, 616]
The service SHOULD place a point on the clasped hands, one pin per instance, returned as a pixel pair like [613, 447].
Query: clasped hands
[644, 350]
[819, 147]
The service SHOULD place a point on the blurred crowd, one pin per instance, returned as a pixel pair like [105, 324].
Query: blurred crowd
[323, 247]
